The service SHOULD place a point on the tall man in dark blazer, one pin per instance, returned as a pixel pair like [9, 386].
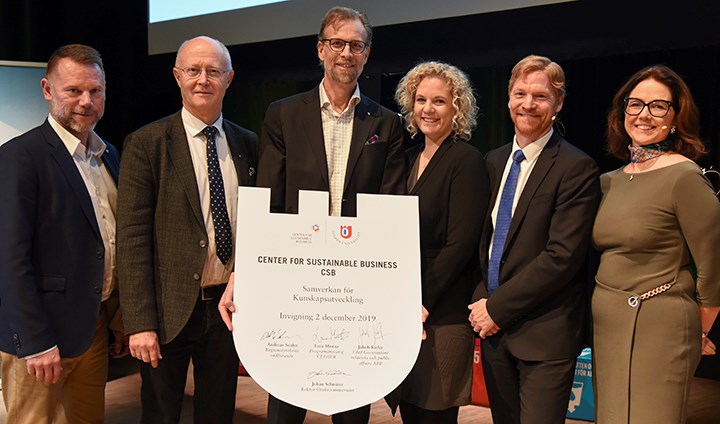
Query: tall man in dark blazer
[57, 251]
[176, 218]
[331, 138]
[532, 250]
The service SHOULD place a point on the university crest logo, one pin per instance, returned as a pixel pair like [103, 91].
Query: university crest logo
[346, 231]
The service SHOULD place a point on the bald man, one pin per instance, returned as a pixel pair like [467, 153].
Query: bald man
[176, 220]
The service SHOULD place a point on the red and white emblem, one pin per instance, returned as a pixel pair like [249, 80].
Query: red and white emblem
[346, 231]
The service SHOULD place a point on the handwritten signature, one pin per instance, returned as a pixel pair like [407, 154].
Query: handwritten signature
[275, 335]
[330, 334]
[313, 374]
[371, 334]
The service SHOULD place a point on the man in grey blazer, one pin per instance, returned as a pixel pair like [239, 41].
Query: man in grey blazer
[530, 305]
[176, 219]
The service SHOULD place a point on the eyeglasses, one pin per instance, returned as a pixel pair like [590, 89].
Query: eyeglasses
[337, 45]
[657, 108]
[212, 73]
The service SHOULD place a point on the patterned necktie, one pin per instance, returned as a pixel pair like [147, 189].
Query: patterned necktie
[221, 222]
[502, 222]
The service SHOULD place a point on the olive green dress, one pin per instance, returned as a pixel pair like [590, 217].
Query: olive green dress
[647, 227]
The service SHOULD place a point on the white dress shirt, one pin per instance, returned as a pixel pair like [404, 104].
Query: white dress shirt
[532, 153]
[102, 190]
[214, 272]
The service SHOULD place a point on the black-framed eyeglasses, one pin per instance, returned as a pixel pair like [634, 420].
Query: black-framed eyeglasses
[212, 73]
[657, 108]
[338, 45]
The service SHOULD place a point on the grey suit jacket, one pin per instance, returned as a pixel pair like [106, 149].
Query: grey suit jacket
[160, 228]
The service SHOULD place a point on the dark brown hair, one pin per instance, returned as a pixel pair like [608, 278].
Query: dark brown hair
[687, 118]
[79, 53]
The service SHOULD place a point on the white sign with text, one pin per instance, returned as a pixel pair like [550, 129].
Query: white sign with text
[328, 308]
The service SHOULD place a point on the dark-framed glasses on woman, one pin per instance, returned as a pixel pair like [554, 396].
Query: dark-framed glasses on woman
[657, 108]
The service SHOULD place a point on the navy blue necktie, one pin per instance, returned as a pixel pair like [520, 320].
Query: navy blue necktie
[502, 221]
[218, 207]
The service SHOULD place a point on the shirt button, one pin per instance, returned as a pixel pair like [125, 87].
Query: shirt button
[196, 276]
[203, 243]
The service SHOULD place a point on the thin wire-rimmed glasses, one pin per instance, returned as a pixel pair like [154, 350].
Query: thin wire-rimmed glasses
[657, 108]
[212, 73]
[338, 45]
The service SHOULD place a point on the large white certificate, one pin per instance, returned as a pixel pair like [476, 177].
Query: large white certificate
[328, 308]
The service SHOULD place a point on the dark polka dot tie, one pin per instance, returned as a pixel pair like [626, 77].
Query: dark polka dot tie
[221, 221]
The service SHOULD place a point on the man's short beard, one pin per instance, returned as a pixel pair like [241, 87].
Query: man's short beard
[64, 116]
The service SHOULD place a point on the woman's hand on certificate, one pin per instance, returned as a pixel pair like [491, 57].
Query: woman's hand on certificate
[425, 315]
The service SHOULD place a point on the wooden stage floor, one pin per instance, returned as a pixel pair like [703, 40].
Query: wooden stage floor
[123, 405]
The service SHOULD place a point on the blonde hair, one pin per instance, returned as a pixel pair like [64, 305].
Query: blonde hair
[463, 98]
[533, 63]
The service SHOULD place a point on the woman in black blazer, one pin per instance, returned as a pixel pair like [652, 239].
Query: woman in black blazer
[450, 179]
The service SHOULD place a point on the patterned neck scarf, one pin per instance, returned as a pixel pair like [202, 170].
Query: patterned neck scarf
[643, 153]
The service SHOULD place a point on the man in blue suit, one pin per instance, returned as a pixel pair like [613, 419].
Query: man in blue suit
[57, 251]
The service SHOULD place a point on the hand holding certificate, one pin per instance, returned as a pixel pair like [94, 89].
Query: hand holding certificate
[327, 307]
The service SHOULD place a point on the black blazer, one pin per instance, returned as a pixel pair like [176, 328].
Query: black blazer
[51, 251]
[292, 152]
[453, 194]
[541, 302]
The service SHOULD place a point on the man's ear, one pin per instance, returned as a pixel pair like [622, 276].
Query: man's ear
[45, 84]
[176, 74]
[231, 74]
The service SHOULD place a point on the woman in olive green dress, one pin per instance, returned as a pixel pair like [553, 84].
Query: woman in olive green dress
[650, 317]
